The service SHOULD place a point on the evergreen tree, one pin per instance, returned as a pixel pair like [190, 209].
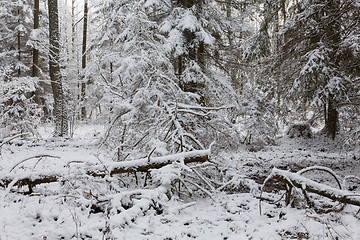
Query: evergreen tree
[18, 108]
[15, 28]
[310, 63]
[153, 112]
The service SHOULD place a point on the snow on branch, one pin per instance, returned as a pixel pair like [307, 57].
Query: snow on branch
[12, 138]
[307, 185]
[140, 165]
[186, 106]
[145, 164]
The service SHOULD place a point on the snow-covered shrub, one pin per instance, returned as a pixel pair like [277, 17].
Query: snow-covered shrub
[19, 112]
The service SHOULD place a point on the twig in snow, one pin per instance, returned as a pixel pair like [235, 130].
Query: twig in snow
[75, 161]
[200, 188]
[204, 179]
[37, 162]
[320, 168]
[12, 138]
[107, 134]
[97, 157]
[76, 221]
[179, 209]
[152, 151]
[184, 184]
[7, 190]
[38, 156]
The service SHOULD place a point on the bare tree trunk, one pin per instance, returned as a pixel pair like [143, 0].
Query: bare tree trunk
[60, 113]
[19, 45]
[73, 26]
[83, 65]
[233, 71]
[332, 35]
[331, 118]
[35, 71]
[19, 50]
[35, 67]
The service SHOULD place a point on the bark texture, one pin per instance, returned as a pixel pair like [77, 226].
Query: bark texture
[35, 71]
[333, 38]
[83, 64]
[60, 113]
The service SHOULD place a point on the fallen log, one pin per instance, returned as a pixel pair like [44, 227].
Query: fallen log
[307, 185]
[145, 164]
[141, 165]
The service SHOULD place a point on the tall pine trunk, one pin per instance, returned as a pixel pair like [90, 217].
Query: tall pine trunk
[73, 26]
[35, 71]
[83, 65]
[60, 113]
[35, 64]
[332, 36]
[19, 45]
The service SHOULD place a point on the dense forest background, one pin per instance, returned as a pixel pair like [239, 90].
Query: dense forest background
[184, 73]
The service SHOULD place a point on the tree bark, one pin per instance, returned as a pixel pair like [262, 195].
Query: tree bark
[83, 65]
[331, 118]
[73, 26]
[333, 38]
[35, 71]
[140, 165]
[19, 44]
[60, 112]
[19, 50]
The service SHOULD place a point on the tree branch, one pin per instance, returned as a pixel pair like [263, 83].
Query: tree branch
[298, 181]
[140, 165]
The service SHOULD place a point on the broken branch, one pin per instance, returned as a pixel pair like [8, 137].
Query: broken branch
[140, 165]
[307, 185]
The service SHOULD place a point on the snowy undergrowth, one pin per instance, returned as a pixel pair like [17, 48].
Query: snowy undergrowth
[120, 207]
[233, 216]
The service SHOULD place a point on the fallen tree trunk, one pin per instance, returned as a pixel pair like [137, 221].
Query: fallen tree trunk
[141, 165]
[298, 181]
[145, 164]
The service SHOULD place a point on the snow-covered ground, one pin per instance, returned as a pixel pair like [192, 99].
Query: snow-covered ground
[83, 207]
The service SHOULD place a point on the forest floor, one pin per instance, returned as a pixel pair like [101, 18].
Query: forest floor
[66, 210]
